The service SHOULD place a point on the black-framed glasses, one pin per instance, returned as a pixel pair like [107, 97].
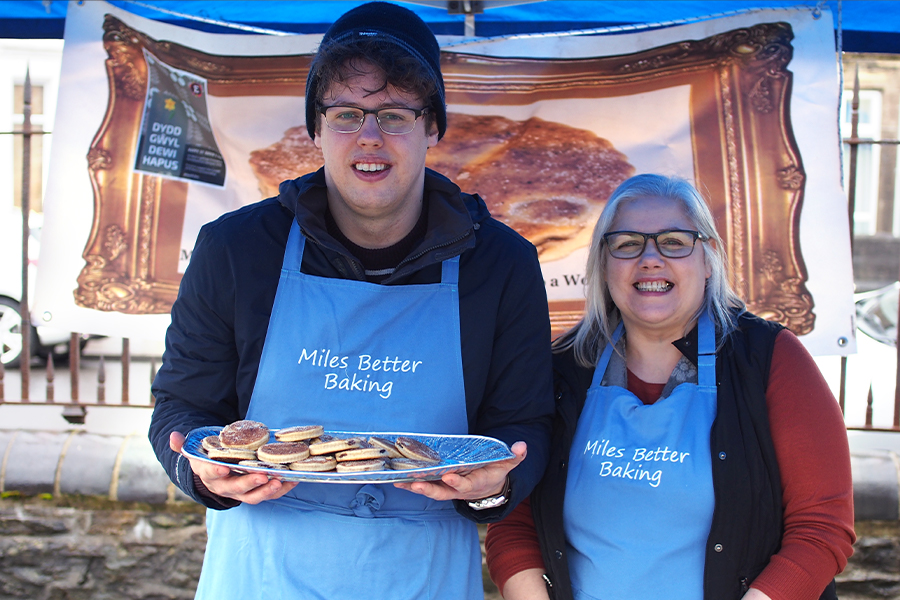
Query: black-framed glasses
[671, 243]
[392, 121]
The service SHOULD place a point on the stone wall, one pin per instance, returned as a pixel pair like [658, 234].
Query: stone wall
[88, 548]
[874, 569]
[94, 550]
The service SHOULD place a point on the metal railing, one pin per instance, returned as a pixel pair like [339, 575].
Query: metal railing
[74, 408]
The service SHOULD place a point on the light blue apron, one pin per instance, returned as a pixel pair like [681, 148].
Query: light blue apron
[352, 356]
[639, 496]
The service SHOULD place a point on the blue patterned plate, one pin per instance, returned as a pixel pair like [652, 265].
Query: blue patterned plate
[459, 454]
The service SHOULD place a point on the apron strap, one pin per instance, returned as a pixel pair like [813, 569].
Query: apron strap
[450, 271]
[600, 369]
[706, 355]
[293, 252]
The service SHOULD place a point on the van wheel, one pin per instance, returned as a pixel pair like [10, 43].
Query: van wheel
[11, 333]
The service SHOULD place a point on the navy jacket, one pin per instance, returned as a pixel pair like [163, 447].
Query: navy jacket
[221, 315]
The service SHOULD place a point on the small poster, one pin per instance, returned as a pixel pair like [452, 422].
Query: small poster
[176, 137]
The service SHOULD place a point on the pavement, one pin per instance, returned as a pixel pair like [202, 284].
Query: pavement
[875, 464]
[76, 461]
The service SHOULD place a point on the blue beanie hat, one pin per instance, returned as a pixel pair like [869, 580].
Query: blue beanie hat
[393, 24]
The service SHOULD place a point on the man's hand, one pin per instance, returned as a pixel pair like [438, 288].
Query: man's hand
[480, 483]
[252, 488]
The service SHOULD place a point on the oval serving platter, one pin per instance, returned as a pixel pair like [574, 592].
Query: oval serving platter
[459, 454]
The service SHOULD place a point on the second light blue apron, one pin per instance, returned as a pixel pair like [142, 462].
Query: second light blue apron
[352, 356]
[639, 496]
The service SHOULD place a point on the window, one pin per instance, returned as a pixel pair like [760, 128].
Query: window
[895, 226]
[867, 159]
[37, 145]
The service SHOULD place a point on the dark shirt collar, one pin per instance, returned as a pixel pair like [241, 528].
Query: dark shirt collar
[688, 345]
[379, 263]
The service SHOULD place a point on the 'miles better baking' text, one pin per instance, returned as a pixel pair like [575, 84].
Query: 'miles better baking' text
[636, 464]
[362, 373]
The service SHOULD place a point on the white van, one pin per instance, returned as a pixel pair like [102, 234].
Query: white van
[44, 340]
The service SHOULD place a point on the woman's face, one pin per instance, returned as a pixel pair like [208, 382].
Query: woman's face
[657, 296]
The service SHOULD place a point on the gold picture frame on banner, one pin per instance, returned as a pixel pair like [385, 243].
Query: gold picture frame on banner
[745, 155]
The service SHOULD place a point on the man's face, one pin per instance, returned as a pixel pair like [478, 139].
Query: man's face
[374, 179]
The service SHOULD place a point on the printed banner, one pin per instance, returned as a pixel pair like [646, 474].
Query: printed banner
[542, 127]
[176, 136]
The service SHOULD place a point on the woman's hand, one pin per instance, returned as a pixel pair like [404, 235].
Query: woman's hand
[480, 483]
[251, 489]
[755, 594]
[526, 585]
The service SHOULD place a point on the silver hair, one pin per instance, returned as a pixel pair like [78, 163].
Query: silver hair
[601, 316]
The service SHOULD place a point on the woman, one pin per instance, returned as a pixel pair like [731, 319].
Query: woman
[698, 452]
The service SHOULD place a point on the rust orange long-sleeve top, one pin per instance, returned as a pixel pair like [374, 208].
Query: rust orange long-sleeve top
[814, 461]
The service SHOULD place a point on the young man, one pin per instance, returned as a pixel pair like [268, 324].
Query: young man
[432, 316]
